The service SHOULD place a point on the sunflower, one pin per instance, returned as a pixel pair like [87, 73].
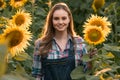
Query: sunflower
[21, 19]
[98, 21]
[2, 4]
[17, 3]
[2, 39]
[17, 38]
[97, 4]
[93, 35]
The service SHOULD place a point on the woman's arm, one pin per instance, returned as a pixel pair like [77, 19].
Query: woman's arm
[36, 67]
[80, 49]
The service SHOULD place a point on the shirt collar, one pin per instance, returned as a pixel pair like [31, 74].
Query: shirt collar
[54, 42]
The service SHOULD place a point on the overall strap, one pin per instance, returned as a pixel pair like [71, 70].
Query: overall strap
[71, 51]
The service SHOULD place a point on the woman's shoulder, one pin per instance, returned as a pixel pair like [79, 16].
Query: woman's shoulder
[37, 41]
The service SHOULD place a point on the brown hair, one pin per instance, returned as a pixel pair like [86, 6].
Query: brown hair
[48, 30]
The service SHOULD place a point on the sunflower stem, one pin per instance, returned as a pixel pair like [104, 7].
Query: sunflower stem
[115, 23]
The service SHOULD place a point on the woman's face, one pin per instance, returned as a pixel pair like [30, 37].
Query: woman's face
[60, 20]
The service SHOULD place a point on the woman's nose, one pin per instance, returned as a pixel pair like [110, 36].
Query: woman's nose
[60, 21]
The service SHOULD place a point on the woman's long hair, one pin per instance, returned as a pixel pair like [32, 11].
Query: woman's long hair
[49, 31]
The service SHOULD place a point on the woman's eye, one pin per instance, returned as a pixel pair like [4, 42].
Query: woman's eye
[56, 18]
[63, 18]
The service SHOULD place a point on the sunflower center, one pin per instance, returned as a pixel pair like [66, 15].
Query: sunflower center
[18, 0]
[94, 35]
[14, 37]
[19, 20]
[1, 3]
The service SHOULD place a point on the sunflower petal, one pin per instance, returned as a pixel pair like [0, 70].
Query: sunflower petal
[17, 3]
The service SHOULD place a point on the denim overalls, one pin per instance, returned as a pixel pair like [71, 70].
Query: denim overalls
[59, 69]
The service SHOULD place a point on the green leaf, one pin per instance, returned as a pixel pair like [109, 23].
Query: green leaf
[22, 57]
[111, 47]
[116, 53]
[20, 71]
[86, 58]
[92, 77]
[12, 77]
[77, 73]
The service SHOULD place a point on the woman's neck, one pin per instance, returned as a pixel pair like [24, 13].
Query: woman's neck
[61, 40]
[61, 35]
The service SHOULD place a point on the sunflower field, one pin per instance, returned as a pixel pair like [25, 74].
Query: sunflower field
[97, 21]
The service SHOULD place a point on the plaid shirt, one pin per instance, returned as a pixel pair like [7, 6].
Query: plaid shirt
[56, 53]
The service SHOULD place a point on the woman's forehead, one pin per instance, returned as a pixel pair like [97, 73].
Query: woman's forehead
[60, 12]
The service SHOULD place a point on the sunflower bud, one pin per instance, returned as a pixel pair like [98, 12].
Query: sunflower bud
[97, 4]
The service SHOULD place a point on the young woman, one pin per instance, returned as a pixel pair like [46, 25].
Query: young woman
[59, 49]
